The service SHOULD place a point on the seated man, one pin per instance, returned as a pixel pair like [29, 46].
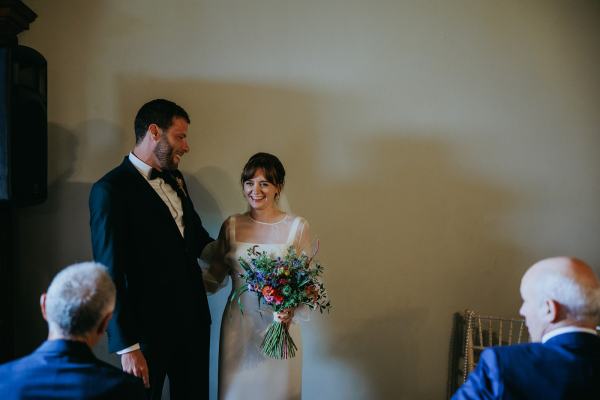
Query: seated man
[561, 306]
[77, 307]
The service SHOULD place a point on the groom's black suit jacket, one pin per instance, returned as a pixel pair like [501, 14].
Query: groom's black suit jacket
[161, 302]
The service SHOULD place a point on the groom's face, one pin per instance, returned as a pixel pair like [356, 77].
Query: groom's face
[172, 144]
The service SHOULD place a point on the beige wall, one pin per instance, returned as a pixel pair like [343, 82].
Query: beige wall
[437, 148]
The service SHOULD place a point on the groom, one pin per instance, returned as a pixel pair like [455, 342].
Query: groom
[146, 231]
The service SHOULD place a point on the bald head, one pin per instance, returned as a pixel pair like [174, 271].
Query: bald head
[560, 291]
[565, 268]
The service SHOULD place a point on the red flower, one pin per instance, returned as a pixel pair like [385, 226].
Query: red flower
[278, 299]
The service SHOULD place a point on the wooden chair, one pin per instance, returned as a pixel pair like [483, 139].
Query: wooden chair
[483, 331]
[471, 334]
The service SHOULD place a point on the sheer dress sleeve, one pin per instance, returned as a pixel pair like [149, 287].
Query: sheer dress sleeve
[302, 241]
[217, 270]
[303, 244]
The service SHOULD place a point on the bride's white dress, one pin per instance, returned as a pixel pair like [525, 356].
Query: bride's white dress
[244, 373]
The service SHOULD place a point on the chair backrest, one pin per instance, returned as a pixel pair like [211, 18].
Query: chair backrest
[471, 334]
[483, 331]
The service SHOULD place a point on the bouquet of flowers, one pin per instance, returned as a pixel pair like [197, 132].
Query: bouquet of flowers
[282, 283]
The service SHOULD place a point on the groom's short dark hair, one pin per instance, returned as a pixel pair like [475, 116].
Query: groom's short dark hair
[160, 112]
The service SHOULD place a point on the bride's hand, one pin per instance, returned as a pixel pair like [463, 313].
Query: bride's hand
[285, 316]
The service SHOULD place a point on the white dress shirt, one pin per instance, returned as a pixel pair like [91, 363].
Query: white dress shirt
[566, 329]
[168, 196]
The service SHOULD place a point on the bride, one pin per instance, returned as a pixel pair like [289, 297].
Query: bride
[244, 373]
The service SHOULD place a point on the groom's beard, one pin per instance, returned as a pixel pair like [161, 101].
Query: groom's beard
[164, 154]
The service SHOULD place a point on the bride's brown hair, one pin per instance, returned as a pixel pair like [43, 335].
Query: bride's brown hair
[270, 164]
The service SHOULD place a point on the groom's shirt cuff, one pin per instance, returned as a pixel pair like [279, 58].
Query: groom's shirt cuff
[129, 349]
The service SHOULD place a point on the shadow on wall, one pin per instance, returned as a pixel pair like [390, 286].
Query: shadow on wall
[206, 205]
[412, 239]
[56, 233]
[50, 237]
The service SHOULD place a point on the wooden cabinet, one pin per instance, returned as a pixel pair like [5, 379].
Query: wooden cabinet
[15, 17]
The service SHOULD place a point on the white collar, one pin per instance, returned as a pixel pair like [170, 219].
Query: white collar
[141, 166]
[567, 329]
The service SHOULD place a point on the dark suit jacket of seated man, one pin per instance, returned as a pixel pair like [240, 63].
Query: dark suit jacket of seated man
[64, 367]
[561, 305]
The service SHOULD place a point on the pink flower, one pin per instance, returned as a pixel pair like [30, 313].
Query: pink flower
[269, 293]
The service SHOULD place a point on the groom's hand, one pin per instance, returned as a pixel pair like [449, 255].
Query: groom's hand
[134, 363]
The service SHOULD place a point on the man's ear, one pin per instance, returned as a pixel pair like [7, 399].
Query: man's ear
[154, 131]
[43, 305]
[104, 324]
[553, 309]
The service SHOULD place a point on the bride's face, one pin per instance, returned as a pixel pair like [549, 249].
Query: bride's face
[259, 192]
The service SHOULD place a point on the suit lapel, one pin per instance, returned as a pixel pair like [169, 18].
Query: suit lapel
[149, 198]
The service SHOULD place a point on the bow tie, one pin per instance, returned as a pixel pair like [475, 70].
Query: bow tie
[172, 178]
[154, 173]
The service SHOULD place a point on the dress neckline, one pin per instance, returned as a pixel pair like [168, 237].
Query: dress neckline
[268, 223]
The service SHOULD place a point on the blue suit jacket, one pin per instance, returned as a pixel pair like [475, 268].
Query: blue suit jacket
[62, 369]
[566, 366]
